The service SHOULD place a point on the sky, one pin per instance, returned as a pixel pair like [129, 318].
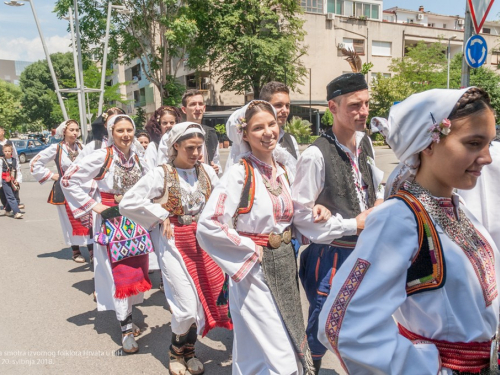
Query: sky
[19, 39]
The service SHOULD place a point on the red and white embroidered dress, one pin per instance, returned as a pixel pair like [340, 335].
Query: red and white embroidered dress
[368, 298]
[261, 343]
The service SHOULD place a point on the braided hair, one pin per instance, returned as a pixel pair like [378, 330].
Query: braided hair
[473, 101]
[258, 106]
[153, 126]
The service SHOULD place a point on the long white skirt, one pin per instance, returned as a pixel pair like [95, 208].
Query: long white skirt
[104, 284]
[261, 343]
[67, 229]
[180, 289]
[154, 257]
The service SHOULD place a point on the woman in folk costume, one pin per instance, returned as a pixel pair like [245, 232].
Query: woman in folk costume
[98, 138]
[160, 123]
[173, 195]
[419, 293]
[76, 232]
[246, 229]
[121, 259]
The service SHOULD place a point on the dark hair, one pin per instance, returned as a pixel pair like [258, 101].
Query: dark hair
[271, 88]
[258, 106]
[188, 94]
[472, 101]
[8, 145]
[189, 136]
[143, 134]
[98, 128]
[153, 126]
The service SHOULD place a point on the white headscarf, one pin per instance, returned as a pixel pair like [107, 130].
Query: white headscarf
[136, 145]
[407, 129]
[62, 127]
[166, 150]
[240, 148]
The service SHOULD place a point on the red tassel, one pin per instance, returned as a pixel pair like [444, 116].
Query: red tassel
[132, 289]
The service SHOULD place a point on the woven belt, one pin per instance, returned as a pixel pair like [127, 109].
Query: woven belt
[272, 240]
[459, 356]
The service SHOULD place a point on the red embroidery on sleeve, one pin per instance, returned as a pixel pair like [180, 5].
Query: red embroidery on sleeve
[219, 211]
[67, 176]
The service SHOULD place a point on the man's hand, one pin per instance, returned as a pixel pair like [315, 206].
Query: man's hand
[167, 229]
[321, 214]
[215, 167]
[55, 177]
[99, 208]
[360, 220]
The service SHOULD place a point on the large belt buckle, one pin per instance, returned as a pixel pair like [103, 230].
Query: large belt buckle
[185, 219]
[118, 198]
[287, 236]
[274, 240]
[495, 345]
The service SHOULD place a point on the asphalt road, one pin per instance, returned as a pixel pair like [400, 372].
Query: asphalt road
[49, 322]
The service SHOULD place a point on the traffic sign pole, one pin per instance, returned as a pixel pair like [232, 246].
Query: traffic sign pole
[465, 80]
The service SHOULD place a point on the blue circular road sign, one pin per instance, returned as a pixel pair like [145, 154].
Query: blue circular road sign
[476, 51]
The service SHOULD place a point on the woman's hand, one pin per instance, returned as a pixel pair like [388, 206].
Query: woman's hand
[321, 214]
[99, 208]
[167, 229]
[260, 249]
[55, 177]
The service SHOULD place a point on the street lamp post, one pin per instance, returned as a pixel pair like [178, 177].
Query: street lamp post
[15, 3]
[120, 9]
[449, 58]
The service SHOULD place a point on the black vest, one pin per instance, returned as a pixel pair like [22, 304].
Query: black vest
[13, 166]
[287, 143]
[339, 194]
[211, 142]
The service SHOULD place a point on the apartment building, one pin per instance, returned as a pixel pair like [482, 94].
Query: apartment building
[10, 70]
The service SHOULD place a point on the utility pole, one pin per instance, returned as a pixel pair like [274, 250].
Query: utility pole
[465, 81]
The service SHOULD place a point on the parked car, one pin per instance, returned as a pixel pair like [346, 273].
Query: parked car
[28, 148]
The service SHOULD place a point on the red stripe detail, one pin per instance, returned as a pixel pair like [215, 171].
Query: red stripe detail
[76, 224]
[45, 178]
[206, 274]
[469, 357]
[238, 276]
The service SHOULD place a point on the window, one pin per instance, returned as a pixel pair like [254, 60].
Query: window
[431, 25]
[357, 45]
[375, 11]
[136, 72]
[409, 20]
[495, 57]
[381, 48]
[38, 143]
[312, 6]
[486, 30]
[384, 75]
[444, 26]
[330, 6]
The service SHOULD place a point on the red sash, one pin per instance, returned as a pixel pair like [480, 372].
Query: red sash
[206, 274]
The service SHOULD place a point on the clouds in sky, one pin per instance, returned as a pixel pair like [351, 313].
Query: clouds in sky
[24, 49]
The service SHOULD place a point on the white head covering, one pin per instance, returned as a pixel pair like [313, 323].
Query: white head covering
[62, 127]
[166, 150]
[136, 145]
[407, 130]
[240, 148]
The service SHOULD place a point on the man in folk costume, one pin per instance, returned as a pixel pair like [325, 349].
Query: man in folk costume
[4, 141]
[278, 94]
[339, 172]
[193, 106]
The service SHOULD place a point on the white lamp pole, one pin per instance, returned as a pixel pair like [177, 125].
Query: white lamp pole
[49, 61]
[121, 9]
[449, 58]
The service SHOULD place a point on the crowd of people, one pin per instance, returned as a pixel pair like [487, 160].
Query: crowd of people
[401, 278]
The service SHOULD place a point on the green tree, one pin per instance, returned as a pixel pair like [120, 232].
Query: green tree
[157, 32]
[327, 118]
[386, 91]
[39, 99]
[299, 128]
[140, 118]
[247, 43]
[423, 66]
[10, 105]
